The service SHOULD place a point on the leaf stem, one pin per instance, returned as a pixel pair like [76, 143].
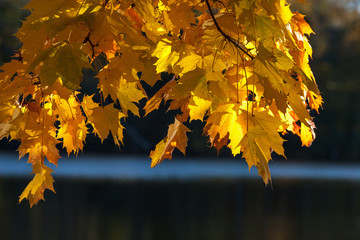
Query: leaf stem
[42, 155]
[237, 78]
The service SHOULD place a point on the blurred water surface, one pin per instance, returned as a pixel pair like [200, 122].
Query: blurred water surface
[183, 210]
[134, 207]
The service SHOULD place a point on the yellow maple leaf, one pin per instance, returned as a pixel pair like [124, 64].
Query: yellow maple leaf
[162, 95]
[255, 153]
[41, 181]
[198, 106]
[284, 11]
[188, 63]
[186, 84]
[227, 121]
[176, 138]
[105, 120]
[260, 140]
[179, 16]
[39, 146]
[119, 80]
[73, 132]
[165, 54]
[128, 94]
[307, 135]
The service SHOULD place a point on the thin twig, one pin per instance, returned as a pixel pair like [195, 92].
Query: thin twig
[42, 154]
[237, 78]
[227, 37]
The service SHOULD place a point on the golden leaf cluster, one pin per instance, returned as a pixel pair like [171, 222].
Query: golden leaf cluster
[242, 67]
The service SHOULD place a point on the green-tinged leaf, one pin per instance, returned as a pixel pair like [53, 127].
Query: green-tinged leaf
[63, 61]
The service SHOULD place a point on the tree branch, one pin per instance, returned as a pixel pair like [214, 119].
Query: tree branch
[227, 37]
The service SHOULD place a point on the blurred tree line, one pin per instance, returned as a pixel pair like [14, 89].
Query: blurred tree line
[336, 66]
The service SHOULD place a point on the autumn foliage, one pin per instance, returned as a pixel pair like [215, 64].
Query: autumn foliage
[239, 66]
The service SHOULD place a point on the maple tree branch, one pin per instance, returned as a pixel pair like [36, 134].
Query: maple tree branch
[227, 37]
[87, 39]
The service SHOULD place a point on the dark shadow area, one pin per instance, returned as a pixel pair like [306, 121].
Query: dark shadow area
[193, 211]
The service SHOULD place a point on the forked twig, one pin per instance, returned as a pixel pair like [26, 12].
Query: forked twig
[227, 37]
